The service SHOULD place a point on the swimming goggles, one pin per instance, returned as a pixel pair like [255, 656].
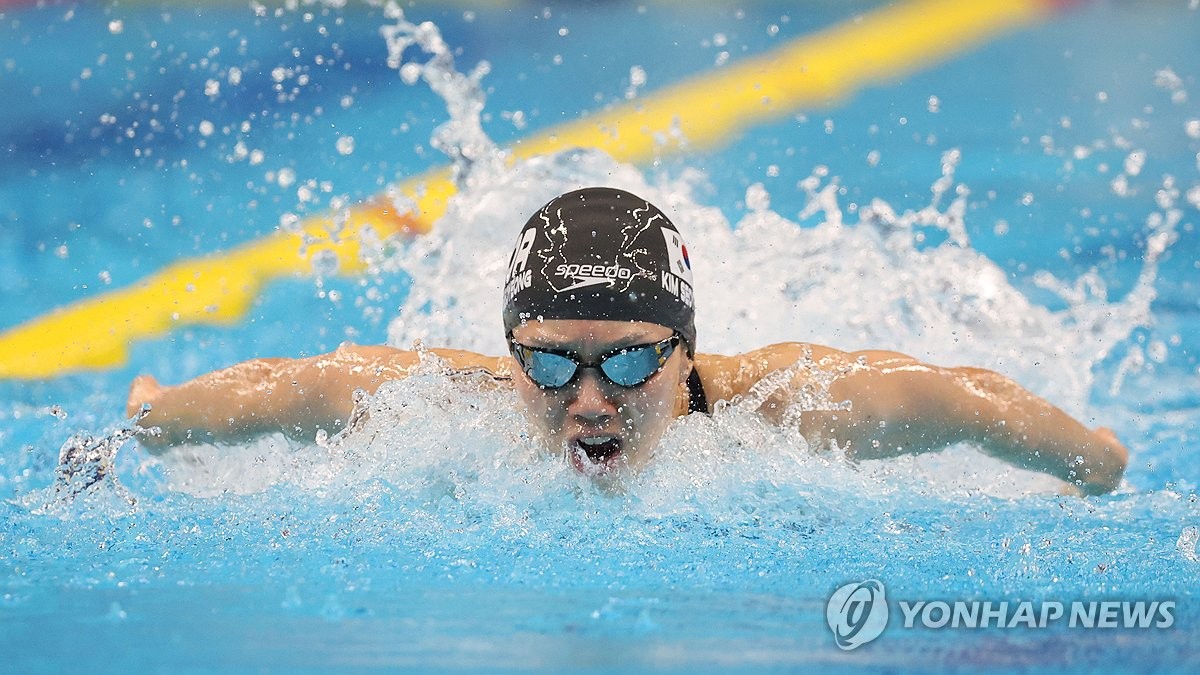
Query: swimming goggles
[623, 366]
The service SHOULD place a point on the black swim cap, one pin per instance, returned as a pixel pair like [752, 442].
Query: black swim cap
[601, 254]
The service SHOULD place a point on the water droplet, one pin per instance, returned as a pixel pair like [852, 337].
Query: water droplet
[1157, 351]
[757, 198]
[345, 145]
[1120, 186]
[637, 80]
[410, 72]
[1167, 79]
[116, 26]
[1134, 162]
[325, 263]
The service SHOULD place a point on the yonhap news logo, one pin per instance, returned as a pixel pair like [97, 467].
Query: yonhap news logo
[858, 612]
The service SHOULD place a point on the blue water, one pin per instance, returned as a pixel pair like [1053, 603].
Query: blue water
[441, 540]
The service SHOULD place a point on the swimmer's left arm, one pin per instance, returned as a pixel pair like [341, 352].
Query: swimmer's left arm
[929, 407]
[899, 405]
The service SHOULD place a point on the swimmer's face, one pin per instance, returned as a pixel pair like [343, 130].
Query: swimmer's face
[602, 427]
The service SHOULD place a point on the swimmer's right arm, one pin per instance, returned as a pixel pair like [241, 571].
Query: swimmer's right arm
[296, 397]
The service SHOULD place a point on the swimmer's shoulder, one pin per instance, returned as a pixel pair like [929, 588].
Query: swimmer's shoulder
[400, 361]
[499, 367]
[353, 356]
[724, 377]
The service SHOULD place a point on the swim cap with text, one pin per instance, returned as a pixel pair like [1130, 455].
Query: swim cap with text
[601, 254]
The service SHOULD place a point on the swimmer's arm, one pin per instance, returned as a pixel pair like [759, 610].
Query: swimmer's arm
[901, 406]
[293, 396]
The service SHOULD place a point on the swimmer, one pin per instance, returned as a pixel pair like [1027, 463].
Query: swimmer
[599, 322]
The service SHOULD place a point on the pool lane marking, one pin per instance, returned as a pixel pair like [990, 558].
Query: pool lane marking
[96, 332]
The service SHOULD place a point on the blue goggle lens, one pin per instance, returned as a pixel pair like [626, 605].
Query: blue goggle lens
[635, 366]
[548, 370]
[626, 367]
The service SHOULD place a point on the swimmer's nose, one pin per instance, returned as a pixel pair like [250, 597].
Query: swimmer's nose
[591, 404]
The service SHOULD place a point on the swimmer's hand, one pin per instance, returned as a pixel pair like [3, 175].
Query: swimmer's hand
[1112, 456]
[1113, 453]
[146, 391]
[1108, 438]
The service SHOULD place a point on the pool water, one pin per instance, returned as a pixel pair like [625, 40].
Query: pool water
[1029, 206]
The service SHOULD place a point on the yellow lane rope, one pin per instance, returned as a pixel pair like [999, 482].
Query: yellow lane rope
[96, 332]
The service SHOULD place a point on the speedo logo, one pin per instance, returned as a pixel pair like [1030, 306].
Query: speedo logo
[591, 275]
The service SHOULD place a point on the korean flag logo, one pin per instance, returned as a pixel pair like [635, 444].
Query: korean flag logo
[677, 255]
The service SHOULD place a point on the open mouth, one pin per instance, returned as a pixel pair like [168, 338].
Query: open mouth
[595, 453]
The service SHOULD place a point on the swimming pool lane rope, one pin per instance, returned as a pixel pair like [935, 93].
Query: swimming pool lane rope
[702, 111]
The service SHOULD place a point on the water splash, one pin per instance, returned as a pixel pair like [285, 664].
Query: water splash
[461, 137]
[1186, 544]
[86, 472]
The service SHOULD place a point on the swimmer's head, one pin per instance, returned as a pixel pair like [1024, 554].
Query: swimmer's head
[601, 254]
[598, 313]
